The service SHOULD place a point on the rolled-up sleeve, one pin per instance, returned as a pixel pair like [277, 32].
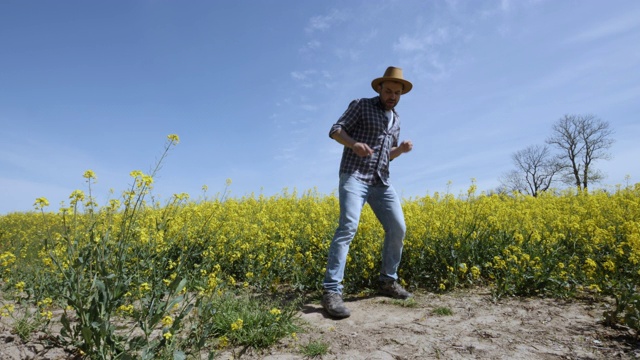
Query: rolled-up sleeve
[349, 119]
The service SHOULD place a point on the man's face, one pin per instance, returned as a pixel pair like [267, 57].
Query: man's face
[390, 94]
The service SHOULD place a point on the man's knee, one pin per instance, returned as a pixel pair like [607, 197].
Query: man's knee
[398, 230]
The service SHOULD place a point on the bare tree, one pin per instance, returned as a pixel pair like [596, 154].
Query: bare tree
[581, 140]
[535, 170]
[511, 182]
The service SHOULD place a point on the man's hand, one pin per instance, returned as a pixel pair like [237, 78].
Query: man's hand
[362, 149]
[405, 146]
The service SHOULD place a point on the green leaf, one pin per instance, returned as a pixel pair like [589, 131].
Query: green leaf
[137, 342]
[177, 284]
[179, 355]
[175, 301]
[66, 324]
[87, 335]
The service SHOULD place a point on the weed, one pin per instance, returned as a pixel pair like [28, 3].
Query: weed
[408, 303]
[314, 349]
[442, 311]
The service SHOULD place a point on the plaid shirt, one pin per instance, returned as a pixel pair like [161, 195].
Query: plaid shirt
[365, 121]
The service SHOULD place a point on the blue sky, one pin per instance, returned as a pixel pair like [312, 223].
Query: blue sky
[252, 88]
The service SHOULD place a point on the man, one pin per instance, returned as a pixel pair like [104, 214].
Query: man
[369, 130]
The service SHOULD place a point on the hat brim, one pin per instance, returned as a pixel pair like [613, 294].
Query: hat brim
[406, 86]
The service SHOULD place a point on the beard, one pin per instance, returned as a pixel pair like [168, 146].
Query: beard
[389, 104]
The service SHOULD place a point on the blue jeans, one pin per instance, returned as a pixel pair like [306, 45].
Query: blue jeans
[385, 204]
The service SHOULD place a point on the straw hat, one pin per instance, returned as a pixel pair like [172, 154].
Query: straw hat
[392, 74]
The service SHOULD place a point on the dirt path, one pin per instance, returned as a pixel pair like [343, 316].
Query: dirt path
[478, 328]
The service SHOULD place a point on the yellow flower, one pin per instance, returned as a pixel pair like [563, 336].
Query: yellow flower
[167, 335]
[126, 309]
[275, 311]
[609, 265]
[595, 288]
[46, 314]
[475, 272]
[237, 325]
[442, 286]
[145, 287]
[589, 263]
[7, 259]
[41, 203]
[590, 267]
[136, 173]
[147, 180]
[167, 321]
[223, 341]
[76, 196]
[173, 138]
[7, 310]
[20, 286]
[89, 174]
[498, 263]
[462, 268]
[45, 302]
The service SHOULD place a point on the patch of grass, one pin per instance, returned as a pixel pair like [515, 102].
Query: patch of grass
[246, 320]
[442, 311]
[26, 325]
[409, 303]
[314, 349]
[23, 328]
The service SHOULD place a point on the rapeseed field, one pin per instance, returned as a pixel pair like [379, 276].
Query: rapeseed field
[186, 274]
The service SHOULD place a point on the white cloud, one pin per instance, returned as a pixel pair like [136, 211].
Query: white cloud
[311, 46]
[300, 75]
[323, 23]
[286, 154]
[370, 36]
[409, 44]
[347, 54]
[608, 28]
[422, 42]
[309, 107]
[313, 79]
[306, 78]
[505, 5]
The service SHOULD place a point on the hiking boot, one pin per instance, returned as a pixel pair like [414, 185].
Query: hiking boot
[332, 302]
[393, 289]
